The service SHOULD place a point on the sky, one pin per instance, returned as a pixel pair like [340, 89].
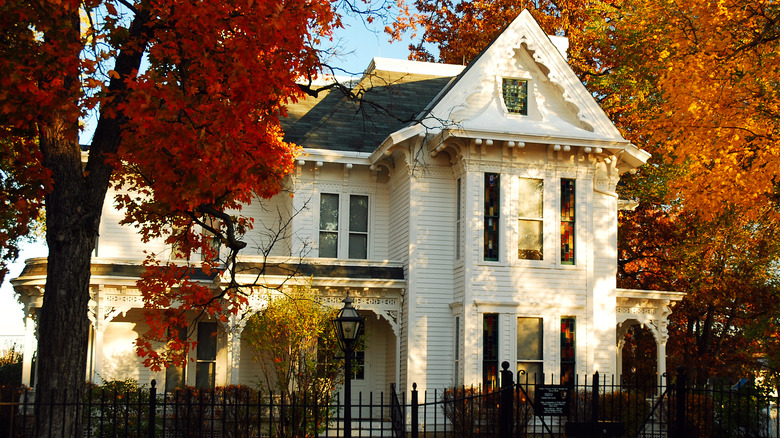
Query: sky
[357, 44]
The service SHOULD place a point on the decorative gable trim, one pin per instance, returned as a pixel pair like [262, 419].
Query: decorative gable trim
[477, 90]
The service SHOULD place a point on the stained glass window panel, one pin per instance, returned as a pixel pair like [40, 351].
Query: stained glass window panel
[568, 347]
[490, 350]
[567, 221]
[492, 208]
[515, 93]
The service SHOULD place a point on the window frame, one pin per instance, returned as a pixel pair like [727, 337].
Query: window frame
[568, 366]
[540, 219]
[204, 329]
[358, 371]
[344, 225]
[177, 372]
[564, 219]
[520, 359]
[456, 353]
[495, 233]
[458, 218]
[501, 91]
[490, 356]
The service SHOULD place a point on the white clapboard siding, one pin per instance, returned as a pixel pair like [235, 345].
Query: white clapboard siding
[270, 233]
[430, 279]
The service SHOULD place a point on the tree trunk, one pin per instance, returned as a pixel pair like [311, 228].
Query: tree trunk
[72, 218]
[73, 210]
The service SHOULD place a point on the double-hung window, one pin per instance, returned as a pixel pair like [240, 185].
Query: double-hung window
[343, 235]
[206, 355]
[359, 356]
[175, 376]
[530, 219]
[529, 348]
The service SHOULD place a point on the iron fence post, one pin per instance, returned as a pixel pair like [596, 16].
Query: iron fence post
[594, 415]
[505, 407]
[680, 408]
[415, 413]
[152, 408]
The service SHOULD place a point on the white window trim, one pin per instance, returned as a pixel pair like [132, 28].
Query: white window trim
[544, 360]
[504, 211]
[549, 205]
[579, 214]
[532, 111]
[342, 251]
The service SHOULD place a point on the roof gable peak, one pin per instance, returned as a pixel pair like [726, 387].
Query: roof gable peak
[558, 104]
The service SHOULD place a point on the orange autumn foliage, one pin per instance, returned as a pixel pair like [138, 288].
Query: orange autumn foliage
[695, 82]
[185, 98]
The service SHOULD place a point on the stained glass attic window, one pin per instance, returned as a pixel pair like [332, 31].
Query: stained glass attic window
[515, 93]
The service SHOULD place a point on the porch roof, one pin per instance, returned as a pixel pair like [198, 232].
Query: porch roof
[643, 294]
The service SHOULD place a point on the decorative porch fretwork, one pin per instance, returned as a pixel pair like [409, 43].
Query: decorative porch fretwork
[651, 309]
[385, 307]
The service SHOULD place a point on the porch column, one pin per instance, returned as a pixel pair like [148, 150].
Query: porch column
[660, 348]
[100, 315]
[29, 346]
[620, 335]
[97, 317]
[661, 334]
[235, 327]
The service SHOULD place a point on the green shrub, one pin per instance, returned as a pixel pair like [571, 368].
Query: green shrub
[117, 408]
[11, 367]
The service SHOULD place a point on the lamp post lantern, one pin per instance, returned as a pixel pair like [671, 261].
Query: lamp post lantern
[348, 324]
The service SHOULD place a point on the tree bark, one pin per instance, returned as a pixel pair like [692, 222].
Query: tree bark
[73, 210]
[72, 218]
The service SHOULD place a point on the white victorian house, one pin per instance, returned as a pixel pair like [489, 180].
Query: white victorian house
[471, 214]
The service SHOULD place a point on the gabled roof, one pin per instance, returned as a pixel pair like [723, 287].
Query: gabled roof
[559, 104]
[394, 92]
[462, 102]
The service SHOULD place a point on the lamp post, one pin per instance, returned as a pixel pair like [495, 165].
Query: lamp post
[348, 325]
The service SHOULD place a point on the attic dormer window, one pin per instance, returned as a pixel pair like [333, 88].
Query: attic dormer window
[515, 93]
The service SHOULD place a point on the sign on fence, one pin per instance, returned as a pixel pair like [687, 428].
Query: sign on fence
[552, 400]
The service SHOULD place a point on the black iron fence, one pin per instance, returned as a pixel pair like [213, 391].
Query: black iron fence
[519, 408]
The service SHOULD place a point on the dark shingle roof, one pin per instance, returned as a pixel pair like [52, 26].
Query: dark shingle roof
[390, 101]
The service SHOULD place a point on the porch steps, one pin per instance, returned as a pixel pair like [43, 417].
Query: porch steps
[655, 427]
